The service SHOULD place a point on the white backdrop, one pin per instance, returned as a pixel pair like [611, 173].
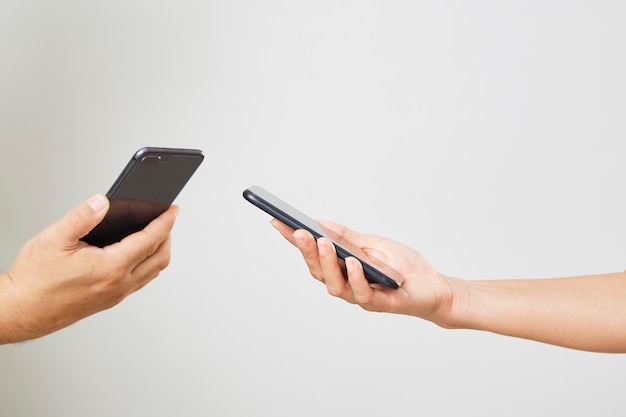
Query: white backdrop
[488, 135]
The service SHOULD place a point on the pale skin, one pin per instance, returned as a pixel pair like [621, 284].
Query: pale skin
[582, 312]
[57, 279]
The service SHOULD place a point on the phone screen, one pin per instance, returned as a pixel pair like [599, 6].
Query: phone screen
[147, 186]
[295, 219]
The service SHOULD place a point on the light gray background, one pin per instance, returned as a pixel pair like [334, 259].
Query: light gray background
[488, 135]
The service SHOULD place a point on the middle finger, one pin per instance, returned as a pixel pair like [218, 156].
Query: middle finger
[336, 282]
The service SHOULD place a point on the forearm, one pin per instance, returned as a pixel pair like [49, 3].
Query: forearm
[586, 312]
[17, 323]
[8, 327]
[24, 316]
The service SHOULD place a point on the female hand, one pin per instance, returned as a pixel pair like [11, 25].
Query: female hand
[424, 292]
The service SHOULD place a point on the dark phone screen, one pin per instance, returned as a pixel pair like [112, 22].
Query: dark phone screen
[145, 189]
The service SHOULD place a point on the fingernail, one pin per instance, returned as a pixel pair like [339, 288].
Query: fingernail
[321, 247]
[299, 240]
[349, 265]
[97, 203]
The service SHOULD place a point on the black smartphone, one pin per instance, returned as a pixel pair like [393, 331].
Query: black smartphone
[147, 186]
[295, 219]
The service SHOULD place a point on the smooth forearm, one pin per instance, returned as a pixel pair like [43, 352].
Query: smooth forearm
[586, 312]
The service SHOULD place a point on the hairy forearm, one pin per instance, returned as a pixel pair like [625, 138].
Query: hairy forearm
[24, 317]
[586, 312]
[8, 331]
[17, 325]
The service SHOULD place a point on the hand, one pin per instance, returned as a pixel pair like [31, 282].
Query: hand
[581, 312]
[57, 279]
[424, 292]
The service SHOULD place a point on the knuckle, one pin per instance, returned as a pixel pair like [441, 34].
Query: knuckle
[317, 275]
[118, 273]
[148, 277]
[163, 262]
[73, 219]
[310, 259]
[334, 291]
[151, 247]
[110, 288]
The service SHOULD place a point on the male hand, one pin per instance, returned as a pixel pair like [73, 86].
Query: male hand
[57, 279]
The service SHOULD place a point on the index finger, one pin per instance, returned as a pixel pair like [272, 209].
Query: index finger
[285, 231]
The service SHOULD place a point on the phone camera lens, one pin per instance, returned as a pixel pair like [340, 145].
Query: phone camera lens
[151, 159]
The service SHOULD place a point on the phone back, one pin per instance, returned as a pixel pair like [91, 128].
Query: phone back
[147, 186]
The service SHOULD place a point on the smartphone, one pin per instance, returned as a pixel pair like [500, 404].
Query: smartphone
[147, 186]
[295, 219]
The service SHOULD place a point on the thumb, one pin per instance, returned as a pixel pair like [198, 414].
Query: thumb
[81, 219]
[338, 232]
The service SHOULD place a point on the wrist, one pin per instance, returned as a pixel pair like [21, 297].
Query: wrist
[455, 307]
[484, 305]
